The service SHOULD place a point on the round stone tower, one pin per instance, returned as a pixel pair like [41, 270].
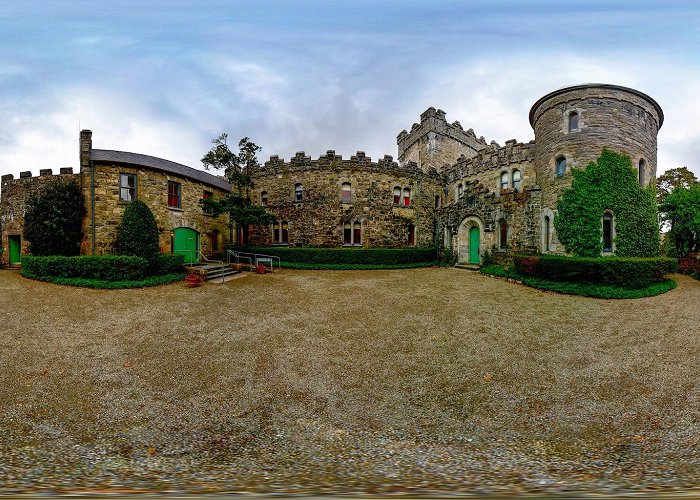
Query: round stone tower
[572, 126]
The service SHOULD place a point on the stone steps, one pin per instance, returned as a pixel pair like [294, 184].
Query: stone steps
[468, 267]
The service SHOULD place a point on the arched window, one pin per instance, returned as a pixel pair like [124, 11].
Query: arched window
[573, 121]
[352, 233]
[460, 190]
[546, 233]
[298, 192]
[503, 234]
[504, 181]
[437, 201]
[406, 197]
[608, 230]
[642, 166]
[411, 235]
[280, 232]
[397, 195]
[263, 198]
[517, 179]
[560, 166]
[346, 193]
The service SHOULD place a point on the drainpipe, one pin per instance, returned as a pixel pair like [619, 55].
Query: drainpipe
[92, 203]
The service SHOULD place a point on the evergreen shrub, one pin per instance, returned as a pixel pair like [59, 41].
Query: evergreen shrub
[373, 256]
[138, 233]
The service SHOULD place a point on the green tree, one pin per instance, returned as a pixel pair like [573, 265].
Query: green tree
[53, 219]
[138, 233]
[238, 168]
[682, 211]
[672, 179]
[610, 183]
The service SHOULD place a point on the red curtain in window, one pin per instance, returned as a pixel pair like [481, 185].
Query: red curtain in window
[173, 194]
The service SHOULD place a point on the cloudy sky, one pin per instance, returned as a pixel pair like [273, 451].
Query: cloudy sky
[165, 77]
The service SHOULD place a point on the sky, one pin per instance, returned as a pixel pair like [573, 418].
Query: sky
[164, 78]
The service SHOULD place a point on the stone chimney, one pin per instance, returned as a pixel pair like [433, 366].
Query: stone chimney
[85, 149]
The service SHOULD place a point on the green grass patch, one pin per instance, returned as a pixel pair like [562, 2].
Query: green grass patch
[582, 289]
[96, 283]
[341, 267]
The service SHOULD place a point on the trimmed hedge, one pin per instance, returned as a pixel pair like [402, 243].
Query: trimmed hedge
[92, 283]
[626, 272]
[582, 289]
[112, 268]
[359, 267]
[365, 256]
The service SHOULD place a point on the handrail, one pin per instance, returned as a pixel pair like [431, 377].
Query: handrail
[206, 259]
[238, 257]
[256, 256]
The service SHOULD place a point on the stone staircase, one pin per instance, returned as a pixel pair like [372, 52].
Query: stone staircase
[468, 267]
[213, 271]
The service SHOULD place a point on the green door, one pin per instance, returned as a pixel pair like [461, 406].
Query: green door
[15, 249]
[474, 245]
[186, 242]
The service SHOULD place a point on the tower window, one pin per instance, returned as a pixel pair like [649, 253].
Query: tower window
[546, 233]
[504, 181]
[397, 195]
[607, 232]
[406, 197]
[346, 193]
[517, 179]
[560, 166]
[642, 165]
[460, 190]
[298, 192]
[573, 121]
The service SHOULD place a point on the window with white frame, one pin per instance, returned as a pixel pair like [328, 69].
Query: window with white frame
[352, 233]
[397, 195]
[127, 187]
[504, 180]
[516, 177]
[406, 200]
[280, 232]
[346, 192]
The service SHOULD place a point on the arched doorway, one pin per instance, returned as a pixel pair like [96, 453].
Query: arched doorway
[186, 243]
[469, 241]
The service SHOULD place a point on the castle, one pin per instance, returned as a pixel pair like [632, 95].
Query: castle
[447, 187]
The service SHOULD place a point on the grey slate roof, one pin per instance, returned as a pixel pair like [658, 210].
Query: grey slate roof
[170, 167]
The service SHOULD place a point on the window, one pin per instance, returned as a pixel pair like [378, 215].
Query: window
[263, 198]
[546, 233]
[280, 232]
[215, 240]
[127, 187]
[352, 233]
[397, 195]
[406, 197]
[174, 194]
[437, 201]
[503, 234]
[560, 166]
[298, 192]
[411, 235]
[460, 190]
[504, 181]
[208, 195]
[642, 165]
[573, 121]
[346, 193]
[517, 179]
[607, 232]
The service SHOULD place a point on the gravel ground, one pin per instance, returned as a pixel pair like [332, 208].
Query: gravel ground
[410, 381]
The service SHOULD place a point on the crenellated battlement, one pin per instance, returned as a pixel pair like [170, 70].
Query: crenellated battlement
[492, 157]
[44, 172]
[431, 134]
[300, 162]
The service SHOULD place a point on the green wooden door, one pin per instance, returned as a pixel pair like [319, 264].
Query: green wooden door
[186, 242]
[474, 245]
[15, 243]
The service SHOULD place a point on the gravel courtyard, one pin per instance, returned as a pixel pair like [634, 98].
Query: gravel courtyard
[417, 380]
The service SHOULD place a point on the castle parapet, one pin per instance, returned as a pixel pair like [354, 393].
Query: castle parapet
[491, 158]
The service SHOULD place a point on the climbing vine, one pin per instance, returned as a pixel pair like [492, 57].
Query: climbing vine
[610, 184]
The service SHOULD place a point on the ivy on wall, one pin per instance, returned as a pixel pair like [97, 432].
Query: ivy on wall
[610, 184]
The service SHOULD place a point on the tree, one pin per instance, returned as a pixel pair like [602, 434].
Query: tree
[609, 184]
[53, 219]
[238, 169]
[138, 233]
[682, 211]
[672, 179]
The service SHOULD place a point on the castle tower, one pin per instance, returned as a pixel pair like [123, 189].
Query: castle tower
[573, 124]
[434, 143]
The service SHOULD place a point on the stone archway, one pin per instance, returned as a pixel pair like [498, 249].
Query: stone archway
[470, 240]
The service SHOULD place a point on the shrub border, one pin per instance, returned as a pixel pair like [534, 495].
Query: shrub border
[104, 284]
[581, 289]
[355, 267]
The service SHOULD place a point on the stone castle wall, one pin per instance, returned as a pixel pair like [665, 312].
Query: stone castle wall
[620, 119]
[318, 219]
[152, 188]
[435, 144]
[14, 193]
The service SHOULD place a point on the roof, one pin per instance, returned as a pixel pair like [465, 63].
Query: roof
[564, 90]
[167, 166]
